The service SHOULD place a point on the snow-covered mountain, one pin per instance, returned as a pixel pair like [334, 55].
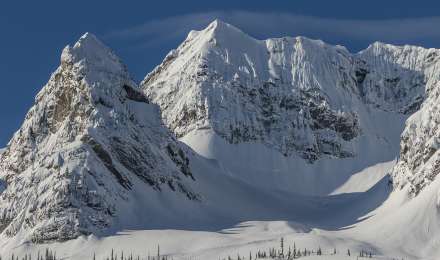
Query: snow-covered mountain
[300, 97]
[257, 139]
[294, 94]
[90, 136]
[265, 91]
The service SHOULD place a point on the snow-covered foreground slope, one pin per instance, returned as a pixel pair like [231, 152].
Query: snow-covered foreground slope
[265, 218]
[286, 137]
[389, 232]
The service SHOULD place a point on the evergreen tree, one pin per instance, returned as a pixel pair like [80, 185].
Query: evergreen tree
[282, 246]
[158, 252]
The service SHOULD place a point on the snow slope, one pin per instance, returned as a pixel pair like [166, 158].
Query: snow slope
[367, 178]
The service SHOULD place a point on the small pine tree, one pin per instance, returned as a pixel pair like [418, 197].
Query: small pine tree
[158, 252]
[294, 250]
[282, 246]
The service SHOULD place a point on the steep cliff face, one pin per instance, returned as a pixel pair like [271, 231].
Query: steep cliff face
[293, 94]
[406, 69]
[419, 160]
[395, 78]
[90, 135]
[410, 85]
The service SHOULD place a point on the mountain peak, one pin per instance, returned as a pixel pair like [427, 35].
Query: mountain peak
[221, 32]
[90, 51]
[378, 46]
[218, 24]
[88, 40]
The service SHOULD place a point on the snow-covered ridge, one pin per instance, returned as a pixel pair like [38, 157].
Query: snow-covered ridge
[294, 94]
[419, 160]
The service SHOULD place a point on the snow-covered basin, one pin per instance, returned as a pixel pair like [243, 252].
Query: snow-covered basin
[263, 167]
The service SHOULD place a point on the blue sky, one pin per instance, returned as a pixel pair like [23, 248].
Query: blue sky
[33, 33]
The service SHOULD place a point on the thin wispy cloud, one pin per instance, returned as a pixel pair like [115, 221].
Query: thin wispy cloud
[264, 25]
